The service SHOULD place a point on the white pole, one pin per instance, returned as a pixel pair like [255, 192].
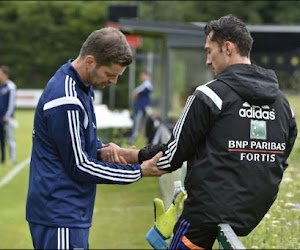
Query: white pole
[131, 86]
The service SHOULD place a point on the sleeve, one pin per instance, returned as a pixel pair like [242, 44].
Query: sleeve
[67, 128]
[99, 144]
[11, 100]
[200, 110]
[144, 88]
[293, 131]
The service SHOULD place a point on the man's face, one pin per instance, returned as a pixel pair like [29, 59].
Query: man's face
[216, 58]
[105, 75]
[143, 77]
[3, 77]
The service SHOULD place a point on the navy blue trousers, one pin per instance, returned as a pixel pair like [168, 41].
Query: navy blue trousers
[188, 236]
[44, 237]
[2, 141]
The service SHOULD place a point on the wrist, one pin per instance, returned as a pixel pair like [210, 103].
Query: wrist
[130, 155]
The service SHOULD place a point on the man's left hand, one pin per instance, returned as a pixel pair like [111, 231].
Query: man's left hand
[6, 119]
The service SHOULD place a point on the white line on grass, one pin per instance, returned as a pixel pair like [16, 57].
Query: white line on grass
[14, 172]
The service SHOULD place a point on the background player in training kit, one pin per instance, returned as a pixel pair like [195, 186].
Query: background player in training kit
[7, 108]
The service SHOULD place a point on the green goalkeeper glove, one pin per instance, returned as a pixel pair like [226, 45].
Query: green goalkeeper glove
[164, 221]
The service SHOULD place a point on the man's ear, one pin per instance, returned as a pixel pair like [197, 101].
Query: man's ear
[229, 47]
[90, 61]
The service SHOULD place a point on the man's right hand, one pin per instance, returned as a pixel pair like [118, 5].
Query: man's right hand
[149, 167]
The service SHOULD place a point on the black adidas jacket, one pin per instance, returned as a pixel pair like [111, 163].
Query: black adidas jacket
[236, 133]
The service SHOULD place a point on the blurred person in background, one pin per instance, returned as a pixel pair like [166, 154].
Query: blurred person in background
[7, 108]
[142, 96]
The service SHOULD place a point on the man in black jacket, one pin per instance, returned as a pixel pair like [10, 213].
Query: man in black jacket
[236, 133]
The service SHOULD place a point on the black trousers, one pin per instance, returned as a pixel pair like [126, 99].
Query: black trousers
[2, 141]
[190, 236]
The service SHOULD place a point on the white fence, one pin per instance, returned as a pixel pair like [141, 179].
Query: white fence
[28, 98]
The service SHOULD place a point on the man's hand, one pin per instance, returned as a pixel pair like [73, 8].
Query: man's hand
[6, 119]
[104, 153]
[149, 167]
[111, 152]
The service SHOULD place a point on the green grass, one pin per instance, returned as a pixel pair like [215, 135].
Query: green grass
[14, 232]
[124, 214]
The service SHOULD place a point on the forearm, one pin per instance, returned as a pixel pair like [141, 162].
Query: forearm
[130, 155]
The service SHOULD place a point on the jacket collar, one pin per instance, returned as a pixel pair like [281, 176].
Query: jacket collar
[70, 70]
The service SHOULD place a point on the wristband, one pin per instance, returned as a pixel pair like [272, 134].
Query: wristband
[156, 239]
[148, 152]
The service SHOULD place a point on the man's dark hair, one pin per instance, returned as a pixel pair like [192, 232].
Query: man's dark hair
[146, 72]
[108, 45]
[230, 28]
[5, 69]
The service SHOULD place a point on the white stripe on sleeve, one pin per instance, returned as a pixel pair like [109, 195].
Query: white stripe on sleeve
[164, 161]
[66, 101]
[212, 95]
[113, 174]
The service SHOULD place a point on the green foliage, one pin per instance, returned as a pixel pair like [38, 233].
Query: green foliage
[39, 36]
[252, 12]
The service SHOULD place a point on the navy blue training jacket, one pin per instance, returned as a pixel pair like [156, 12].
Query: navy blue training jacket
[144, 96]
[64, 169]
[7, 99]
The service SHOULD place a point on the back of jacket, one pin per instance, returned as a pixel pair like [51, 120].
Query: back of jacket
[236, 132]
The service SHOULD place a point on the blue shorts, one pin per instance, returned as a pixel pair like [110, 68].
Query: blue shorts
[44, 237]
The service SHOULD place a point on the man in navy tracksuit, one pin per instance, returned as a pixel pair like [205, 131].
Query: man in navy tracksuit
[64, 168]
[7, 108]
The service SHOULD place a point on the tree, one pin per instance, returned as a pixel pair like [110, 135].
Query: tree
[39, 36]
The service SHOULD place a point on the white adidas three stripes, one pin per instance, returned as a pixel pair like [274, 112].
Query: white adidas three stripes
[63, 238]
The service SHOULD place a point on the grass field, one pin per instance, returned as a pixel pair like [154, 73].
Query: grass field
[124, 214]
